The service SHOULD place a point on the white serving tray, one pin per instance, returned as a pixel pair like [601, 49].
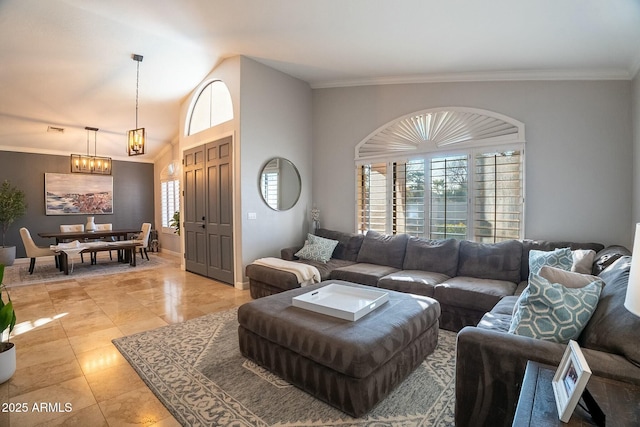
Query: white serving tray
[344, 302]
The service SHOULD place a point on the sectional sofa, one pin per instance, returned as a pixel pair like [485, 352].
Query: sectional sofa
[467, 278]
[490, 362]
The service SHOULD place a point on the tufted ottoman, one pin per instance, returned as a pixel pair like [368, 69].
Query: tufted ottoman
[350, 365]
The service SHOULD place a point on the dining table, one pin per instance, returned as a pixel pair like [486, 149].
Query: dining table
[126, 250]
[64, 236]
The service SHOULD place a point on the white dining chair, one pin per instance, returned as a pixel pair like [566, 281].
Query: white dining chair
[143, 239]
[102, 227]
[67, 228]
[33, 251]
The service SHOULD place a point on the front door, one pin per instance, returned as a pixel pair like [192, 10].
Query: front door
[208, 176]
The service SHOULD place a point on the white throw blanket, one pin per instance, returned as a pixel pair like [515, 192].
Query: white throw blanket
[306, 274]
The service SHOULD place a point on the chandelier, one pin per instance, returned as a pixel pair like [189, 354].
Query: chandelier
[136, 138]
[81, 163]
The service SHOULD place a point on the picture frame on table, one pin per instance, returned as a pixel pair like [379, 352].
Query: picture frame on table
[570, 380]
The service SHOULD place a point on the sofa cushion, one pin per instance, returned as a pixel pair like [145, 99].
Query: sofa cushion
[612, 328]
[383, 249]
[568, 279]
[559, 258]
[552, 312]
[497, 261]
[473, 293]
[348, 243]
[412, 281]
[363, 273]
[317, 248]
[439, 256]
[325, 268]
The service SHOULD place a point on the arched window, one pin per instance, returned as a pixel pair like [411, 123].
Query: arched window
[443, 173]
[213, 107]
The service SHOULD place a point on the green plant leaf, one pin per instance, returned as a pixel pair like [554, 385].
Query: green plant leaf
[7, 317]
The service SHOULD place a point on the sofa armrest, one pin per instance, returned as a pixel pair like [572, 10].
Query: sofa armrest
[289, 253]
[490, 366]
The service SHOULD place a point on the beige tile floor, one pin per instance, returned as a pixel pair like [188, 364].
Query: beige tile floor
[68, 371]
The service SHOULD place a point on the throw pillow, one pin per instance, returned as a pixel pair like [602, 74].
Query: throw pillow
[317, 249]
[583, 260]
[561, 258]
[568, 279]
[552, 312]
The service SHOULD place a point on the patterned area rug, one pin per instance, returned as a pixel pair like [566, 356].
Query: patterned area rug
[196, 370]
[46, 272]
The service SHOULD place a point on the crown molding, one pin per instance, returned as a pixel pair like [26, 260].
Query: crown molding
[492, 76]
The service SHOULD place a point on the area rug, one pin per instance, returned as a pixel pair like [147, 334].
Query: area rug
[46, 272]
[196, 370]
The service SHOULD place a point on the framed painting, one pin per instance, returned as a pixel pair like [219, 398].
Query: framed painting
[78, 194]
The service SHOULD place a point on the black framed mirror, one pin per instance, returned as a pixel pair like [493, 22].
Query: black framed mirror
[280, 184]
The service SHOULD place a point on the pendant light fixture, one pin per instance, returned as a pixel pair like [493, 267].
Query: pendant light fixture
[136, 138]
[95, 164]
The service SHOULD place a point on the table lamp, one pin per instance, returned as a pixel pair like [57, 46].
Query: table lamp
[632, 301]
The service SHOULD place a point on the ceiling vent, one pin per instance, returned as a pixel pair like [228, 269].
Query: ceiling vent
[55, 129]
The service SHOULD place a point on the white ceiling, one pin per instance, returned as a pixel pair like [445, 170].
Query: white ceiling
[67, 63]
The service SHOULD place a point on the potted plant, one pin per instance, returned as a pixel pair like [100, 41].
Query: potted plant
[175, 222]
[7, 322]
[12, 207]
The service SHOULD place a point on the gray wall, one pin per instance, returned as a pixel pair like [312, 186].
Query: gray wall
[275, 121]
[578, 150]
[132, 190]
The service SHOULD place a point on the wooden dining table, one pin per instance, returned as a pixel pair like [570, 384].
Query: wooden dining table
[63, 236]
[126, 252]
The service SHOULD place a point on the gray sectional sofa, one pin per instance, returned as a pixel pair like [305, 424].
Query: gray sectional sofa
[490, 362]
[467, 278]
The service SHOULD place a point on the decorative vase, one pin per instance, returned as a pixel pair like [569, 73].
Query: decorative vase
[7, 362]
[7, 255]
[91, 226]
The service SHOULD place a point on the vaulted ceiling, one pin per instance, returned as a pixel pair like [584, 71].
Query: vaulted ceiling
[67, 63]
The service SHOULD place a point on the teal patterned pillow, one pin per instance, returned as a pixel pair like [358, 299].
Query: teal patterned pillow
[560, 258]
[552, 312]
[317, 248]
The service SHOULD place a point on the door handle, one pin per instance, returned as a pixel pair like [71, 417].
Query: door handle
[204, 226]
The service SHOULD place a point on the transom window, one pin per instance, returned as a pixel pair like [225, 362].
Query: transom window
[213, 107]
[475, 192]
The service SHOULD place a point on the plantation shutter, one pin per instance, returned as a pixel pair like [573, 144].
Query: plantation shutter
[408, 198]
[170, 200]
[448, 199]
[498, 196]
[372, 197]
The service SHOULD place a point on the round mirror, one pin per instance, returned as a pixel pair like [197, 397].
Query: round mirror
[280, 184]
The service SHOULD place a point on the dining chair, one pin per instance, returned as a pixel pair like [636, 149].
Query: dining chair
[143, 239]
[33, 251]
[65, 228]
[102, 227]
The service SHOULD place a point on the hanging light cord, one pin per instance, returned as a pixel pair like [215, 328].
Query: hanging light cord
[137, 86]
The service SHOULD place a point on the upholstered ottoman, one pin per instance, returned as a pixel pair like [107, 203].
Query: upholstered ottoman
[350, 365]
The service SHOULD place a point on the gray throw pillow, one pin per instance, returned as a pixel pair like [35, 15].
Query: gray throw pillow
[438, 256]
[383, 249]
